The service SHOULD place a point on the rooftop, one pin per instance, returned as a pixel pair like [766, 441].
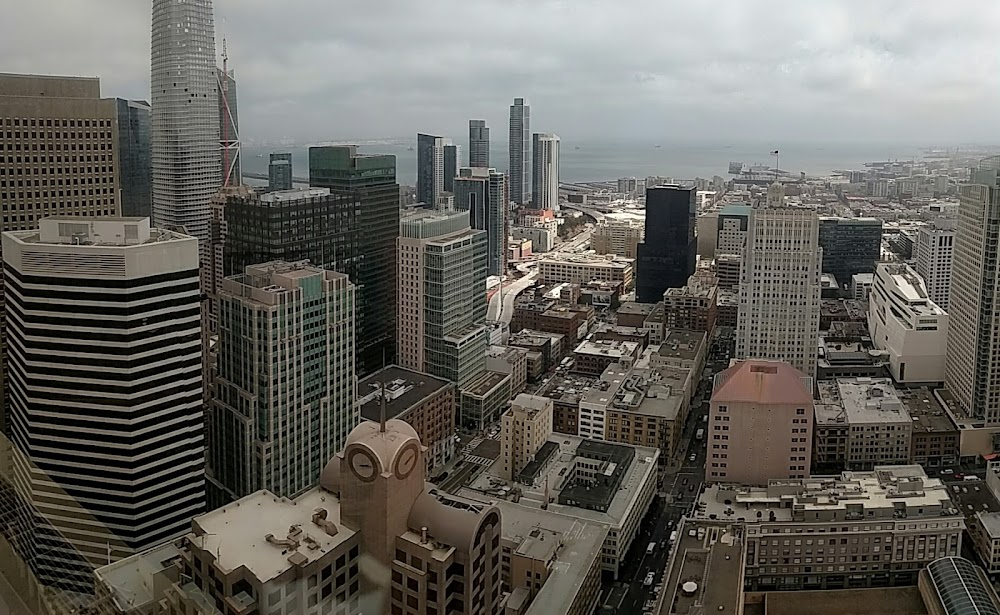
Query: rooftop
[632, 307]
[481, 387]
[732, 209]
[568, 545]
[925, 410]
[615, 349]
[238, 533]
[865, 400]
[404, 388]
[533, 404]
[870, 601]
[655, 392]
[297, 194]
[681, 344]
[593, 260]
[103, 232]
[131, 581]
[568, 388]
[557, 475]
[705, 571]
[769, 382]
[908, 286]
[887, 492]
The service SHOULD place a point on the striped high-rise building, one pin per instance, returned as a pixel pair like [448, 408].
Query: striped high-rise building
[519, 151]
[104, 366]
[184, 91]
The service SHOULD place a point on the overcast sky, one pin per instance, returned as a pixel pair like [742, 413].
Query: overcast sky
[721, 70]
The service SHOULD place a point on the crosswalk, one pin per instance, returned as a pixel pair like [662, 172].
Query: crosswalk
[476, 459]
[471, 446]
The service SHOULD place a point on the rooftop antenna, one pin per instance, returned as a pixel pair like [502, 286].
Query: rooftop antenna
[381, 416]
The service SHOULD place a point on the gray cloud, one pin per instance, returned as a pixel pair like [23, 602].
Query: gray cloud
[906, 70]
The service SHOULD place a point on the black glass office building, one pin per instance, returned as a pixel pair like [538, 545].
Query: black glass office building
[370, 181]
[850, 246]
[666, 257]
[135, 163]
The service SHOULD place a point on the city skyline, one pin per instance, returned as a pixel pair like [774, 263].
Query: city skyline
[821, 75]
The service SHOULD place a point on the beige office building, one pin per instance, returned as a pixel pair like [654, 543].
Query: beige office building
[759, 424]
[373, 537]
[525, 427]
[618, 236]
[581, 269]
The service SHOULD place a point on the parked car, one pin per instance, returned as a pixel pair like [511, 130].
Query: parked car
[693, 457]
[947, 471]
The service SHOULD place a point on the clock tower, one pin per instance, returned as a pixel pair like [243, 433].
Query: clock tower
[381, 476]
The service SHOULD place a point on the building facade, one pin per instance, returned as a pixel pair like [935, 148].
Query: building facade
[619, 237]
[104, 358]
[370, 181]
[525, 427]
[733, 222]
[185, 101]
[279, 171]
[667, 254]
[584, 269]
[479, 144]
[442, 290]
[760, 424]
[904, 322]
[779, 286]
[519, 152]
[850, 246]
[972, 362]
[692, 307]
[285, 391]
[135, 157]
[545, 171]
[935, 250]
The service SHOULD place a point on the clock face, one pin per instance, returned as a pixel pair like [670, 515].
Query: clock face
[406, 460]
[362, 464]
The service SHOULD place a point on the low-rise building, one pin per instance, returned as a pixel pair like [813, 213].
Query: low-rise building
[728, 308]
[633, 314]
[878, 426]
[542, 239]
[618, 236]
[654, 324]
[581, 269]
[594, 356]
[481, 401]
[648, 408]
[543, 350]
[509, 360]
[525, 427]
[859, 529]
[573, 321]
[692, 307]
[849, 356]
[861, 285]
[587, 480]
[727, 269]
[623, 334]
[565, 390]
[681, 349]
[425, 402]
[904, 322]
[705, 571]
[934, 439]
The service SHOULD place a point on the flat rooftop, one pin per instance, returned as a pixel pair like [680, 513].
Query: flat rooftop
[926, 412]
[405, 388]
[296, 194]
[236, 533]
[713, 561]
[869, 601]
[655, 392]
[568, 388]
[590, 260]
[614, 349]
[574, 543]
[865, 400]
[481, 386]
[631, 307]
[641, 469]
[882, 489]
[681, 344]
[130, 580]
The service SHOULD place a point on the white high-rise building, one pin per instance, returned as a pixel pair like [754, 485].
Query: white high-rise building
[935, 247]
[545, 172]
[187, 165]
[779, 285]
[104, 365]
[519, 152]
[906, 323]
[972, 364]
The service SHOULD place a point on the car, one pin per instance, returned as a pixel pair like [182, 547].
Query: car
[670, 524]
[947, 471]
[693, 457]
[685, 481]
[960, 476]
[649, 578]
[690, 487]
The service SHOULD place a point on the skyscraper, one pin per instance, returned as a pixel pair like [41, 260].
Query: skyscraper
[850, 246]
[482, 193]
[545, 171]
[279, 172]
[666, 256]
[779, 305]
[187, 167]
[972, 362]
[63, 112]
[519, 149]
[935, 248]
[430, 169]
[106, 397]
[229, 129]
[285, 389]
[370, 180]
[442, 291]
[452, 160]
[479, 144]
[134, 158]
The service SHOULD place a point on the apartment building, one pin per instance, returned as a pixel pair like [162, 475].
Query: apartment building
[935, 248]
[694, 306]
[878, 427]
[618, 236]
[525, 427]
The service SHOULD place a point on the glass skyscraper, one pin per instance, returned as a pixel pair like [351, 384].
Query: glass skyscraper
[479, 144]
[135, 171]
[519, 152]
[666, 257]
